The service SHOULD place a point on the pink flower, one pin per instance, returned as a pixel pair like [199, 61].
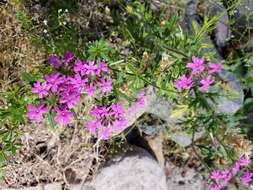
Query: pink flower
[236, 168]
[244, 161]
[216, 187]
[116, 109]
[79, 67]
[120, 124]
[78, 82]
[94, 111]
[70, 99]
[140, 98]
[139, 103]
[206, 82]
[107, 119]
[53, 81]
[223, 177]
[90, 68]
[103, 111]
[41, 89]
[90, 89]
[226, 175]
[106, 85]
[54, 60]
[133, 108]
[69, 96]
[91, 126]
[99, 111]
[247, 177]
[102, 67]
[216, 175]
[68, 56]
[215, 68]
[104, 133]
[63, 116]
[196, 65]
[35, 112]
[183, 82]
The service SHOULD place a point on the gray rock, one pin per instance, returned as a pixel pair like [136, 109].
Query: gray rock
[222, 31]
[191, 14]
[210, 9]
[243, 18]
[184, 139]
[232, 94]
[81, 187]
[184, 179]
[135, 170]
[153, 104]
[51, 186]
[162, 108]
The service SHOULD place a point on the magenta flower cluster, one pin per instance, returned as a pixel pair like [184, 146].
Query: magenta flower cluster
[220, 178]
[83, 77]
[106, 120]
[200, 73]
[139, 102]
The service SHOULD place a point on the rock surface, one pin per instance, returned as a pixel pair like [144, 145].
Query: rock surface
[232, 94]
[163, 109]
[222, 29]
[51, 186]
[135, 170]
[155, 105]
[183, 178]
[243, 19]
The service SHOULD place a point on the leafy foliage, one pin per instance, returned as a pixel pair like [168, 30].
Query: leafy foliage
[24, 20]
[11, 117]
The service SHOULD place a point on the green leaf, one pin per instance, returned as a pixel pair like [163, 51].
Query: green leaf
[51, 120]
[99, 49]
[132, 68]
[29, 77]
[24, 20]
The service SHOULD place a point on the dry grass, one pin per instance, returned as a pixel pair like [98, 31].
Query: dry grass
[47, 155]
[239, 142]
[17, 53]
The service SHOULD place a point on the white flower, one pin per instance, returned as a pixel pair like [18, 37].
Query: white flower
[45, 22]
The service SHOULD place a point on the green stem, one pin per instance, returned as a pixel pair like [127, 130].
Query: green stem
[175, 51]
[142, 78]
[196, 152]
